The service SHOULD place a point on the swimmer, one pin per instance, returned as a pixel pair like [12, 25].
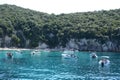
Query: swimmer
[73, 56]
[93, 56]
[36, 52]
[69, 56]
[104, 62]
[9, 55]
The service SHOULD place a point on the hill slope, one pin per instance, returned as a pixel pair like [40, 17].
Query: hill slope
[21, 27]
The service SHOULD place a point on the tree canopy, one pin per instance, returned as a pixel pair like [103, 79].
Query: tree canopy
[24, 24]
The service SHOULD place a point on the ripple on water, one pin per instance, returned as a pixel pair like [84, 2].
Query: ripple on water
[49, 67]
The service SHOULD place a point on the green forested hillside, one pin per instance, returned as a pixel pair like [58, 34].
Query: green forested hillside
[23, 25]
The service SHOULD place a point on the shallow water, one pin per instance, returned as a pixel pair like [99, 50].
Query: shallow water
[47, 65]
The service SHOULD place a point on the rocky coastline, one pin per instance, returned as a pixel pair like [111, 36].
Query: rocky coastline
[81, 45]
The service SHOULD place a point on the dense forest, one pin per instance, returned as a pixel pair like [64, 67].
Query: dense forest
[25, 28]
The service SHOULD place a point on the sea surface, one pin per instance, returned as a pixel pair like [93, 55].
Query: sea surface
[52, 65]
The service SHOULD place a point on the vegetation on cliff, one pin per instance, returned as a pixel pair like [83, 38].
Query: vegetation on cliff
[28, 28]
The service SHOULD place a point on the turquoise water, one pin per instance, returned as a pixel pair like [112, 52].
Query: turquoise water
[47, 65]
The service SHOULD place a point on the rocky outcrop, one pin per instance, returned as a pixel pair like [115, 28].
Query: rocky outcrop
[92, 45]
[78, 44]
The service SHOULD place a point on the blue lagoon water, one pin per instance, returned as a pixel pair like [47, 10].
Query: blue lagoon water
[47, 65]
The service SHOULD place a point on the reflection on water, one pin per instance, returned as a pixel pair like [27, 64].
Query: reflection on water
[53, 66]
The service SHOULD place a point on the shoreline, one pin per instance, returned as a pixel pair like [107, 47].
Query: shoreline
[14, 49]
[51, 50]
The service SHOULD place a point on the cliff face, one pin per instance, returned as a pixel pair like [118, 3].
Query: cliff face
[92, 45]
[81, 44]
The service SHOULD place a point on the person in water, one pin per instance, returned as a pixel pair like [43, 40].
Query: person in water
[104, 62]
[9, 55]
[93, 55]
[73, 56]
